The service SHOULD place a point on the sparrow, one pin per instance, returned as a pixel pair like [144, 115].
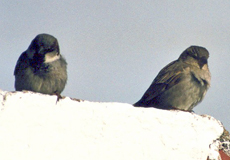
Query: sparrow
[41, 68]
[182, 84]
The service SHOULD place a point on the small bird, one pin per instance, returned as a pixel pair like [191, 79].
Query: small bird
[182, 84]
[41, 68]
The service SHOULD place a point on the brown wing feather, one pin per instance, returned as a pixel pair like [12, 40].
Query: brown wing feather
[167, 77]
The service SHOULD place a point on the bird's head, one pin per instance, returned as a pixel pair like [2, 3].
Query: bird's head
[44, 48]
[195, 55]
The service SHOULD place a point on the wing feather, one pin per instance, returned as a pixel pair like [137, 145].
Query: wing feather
[22, 63]
[169, 76]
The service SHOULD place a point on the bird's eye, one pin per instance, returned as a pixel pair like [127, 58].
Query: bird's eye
[49, 50]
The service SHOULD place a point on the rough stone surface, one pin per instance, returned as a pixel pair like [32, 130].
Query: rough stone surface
[33, 126]
[225, 142]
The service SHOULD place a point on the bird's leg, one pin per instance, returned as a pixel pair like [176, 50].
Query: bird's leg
[58, 96]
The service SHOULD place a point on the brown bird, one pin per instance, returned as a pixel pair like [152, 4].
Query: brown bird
[182, 84]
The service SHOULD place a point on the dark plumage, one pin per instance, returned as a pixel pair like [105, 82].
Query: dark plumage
[182, 84]
[41, 68]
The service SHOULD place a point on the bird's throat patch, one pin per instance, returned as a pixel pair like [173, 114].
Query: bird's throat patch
[51, 57]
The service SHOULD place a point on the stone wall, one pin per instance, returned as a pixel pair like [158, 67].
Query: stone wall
[33, 126]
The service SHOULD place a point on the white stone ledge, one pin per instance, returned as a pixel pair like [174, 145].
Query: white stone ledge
[34, 127]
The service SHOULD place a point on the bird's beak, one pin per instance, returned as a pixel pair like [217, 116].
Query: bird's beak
[202, 61]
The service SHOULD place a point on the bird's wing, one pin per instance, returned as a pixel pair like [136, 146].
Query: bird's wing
[22, 63]
[169, 76]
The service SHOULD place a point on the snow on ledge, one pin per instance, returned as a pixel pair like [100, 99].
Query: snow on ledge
[33, 126]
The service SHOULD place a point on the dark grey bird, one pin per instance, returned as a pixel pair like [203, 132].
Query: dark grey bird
[182, 84]
[41, 68]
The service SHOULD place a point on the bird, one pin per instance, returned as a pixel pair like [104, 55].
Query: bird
[181, 84]
[41, 68]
